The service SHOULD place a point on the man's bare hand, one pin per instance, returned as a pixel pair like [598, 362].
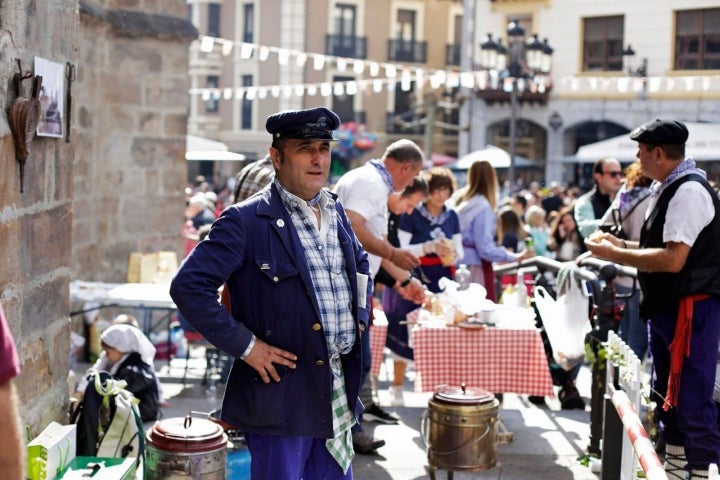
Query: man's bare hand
[601, 245]
[262, 358]
[413, 291]
[404, 259]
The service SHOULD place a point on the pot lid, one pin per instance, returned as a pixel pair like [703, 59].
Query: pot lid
[462, 394]
[187, 434]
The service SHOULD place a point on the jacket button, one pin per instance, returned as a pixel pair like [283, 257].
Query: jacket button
[275, 279]
[319, 363]
[316, 326]
[362, 327]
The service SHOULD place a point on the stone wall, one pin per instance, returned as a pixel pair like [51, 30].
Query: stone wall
[36, 225]
[116, 187]
[132, 104]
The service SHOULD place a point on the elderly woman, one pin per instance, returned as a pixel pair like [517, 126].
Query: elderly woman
[128, 355]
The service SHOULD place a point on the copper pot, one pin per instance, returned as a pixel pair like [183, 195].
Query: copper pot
[460, 429]
[181, 448]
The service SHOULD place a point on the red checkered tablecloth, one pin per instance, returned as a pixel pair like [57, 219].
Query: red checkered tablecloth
[377, 346]
[496, 359]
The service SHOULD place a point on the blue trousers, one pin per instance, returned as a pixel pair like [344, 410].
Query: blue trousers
[693, 422]
[274, 457]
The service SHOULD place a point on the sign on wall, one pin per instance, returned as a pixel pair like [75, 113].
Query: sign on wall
[51, 97]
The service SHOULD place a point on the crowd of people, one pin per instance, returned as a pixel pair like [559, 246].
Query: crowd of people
[401, 226]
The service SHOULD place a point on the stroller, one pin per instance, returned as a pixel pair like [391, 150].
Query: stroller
[604, 311]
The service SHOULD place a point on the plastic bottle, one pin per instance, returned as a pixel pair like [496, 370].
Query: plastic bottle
[462, 277]
[529, 244]
[522, 298]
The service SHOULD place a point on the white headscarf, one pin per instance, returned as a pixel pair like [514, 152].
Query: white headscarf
[127, 339]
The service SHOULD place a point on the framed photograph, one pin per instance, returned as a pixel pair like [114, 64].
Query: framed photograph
[52, 94]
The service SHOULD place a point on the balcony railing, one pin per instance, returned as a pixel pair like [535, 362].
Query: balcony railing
[452, 54]
[407, 51]
[499, 95]
[346, 46]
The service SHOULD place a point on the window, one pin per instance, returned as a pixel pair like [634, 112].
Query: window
[211, 104]
[343, 40]
[343, 104]
[213, 25]
[405, 26]
[697, 41]
[344, 20]
[248, 22]
[603, 44]
[246, 106]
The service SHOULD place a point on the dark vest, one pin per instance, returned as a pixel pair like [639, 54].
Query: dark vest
[662, 291]
[599, 201]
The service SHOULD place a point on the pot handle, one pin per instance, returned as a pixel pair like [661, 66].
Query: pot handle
[488, 426]
[424, 433]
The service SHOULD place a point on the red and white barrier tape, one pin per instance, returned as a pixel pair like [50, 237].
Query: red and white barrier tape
[639, 438]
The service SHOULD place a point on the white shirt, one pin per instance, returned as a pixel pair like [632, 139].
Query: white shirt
[689, 211]
[364, 191]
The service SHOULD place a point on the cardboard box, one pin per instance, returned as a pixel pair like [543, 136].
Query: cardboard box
[51, 451]
[158, 267]
[105, 468]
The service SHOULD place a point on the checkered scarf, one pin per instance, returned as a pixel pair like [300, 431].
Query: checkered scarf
[340, 446]
[686, 167]
[326, 264]
[433, 220]
[384, 172]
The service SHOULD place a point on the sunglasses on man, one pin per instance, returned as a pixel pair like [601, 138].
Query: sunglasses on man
[614, 174]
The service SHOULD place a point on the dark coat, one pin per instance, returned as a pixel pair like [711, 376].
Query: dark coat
[254, 249]
[142, 383]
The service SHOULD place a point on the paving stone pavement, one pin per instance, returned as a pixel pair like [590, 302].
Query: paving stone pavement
[547, 440]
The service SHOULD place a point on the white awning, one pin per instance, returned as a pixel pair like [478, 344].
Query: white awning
[199, 148]
[497, 157]
[703, 144]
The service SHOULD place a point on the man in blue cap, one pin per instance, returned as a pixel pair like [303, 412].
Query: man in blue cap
[678, 264]
[297, 280]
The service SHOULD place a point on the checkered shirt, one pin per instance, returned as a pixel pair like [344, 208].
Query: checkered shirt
[326, 264]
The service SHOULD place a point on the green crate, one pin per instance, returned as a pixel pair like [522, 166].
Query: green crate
[104, 468]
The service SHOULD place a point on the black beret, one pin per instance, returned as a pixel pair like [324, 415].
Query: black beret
[312, 124]
[661, 132]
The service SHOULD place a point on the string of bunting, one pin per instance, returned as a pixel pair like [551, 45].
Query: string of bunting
[405, 75]
[393, 73]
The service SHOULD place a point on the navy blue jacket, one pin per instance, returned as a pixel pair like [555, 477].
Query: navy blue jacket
[255, 250]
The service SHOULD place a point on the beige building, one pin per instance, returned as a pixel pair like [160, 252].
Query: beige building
[369, 60]
[596, 92]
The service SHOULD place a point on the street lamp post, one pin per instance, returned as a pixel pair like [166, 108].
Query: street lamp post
[521, 61]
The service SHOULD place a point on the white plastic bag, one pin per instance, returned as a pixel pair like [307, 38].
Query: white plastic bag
[566, 322]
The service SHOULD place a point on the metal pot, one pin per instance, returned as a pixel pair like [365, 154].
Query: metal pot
[460, 429]
[181, 448]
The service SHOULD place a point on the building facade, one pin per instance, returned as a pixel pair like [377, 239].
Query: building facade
[369, 60]
[596, 92]
[413, 68]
